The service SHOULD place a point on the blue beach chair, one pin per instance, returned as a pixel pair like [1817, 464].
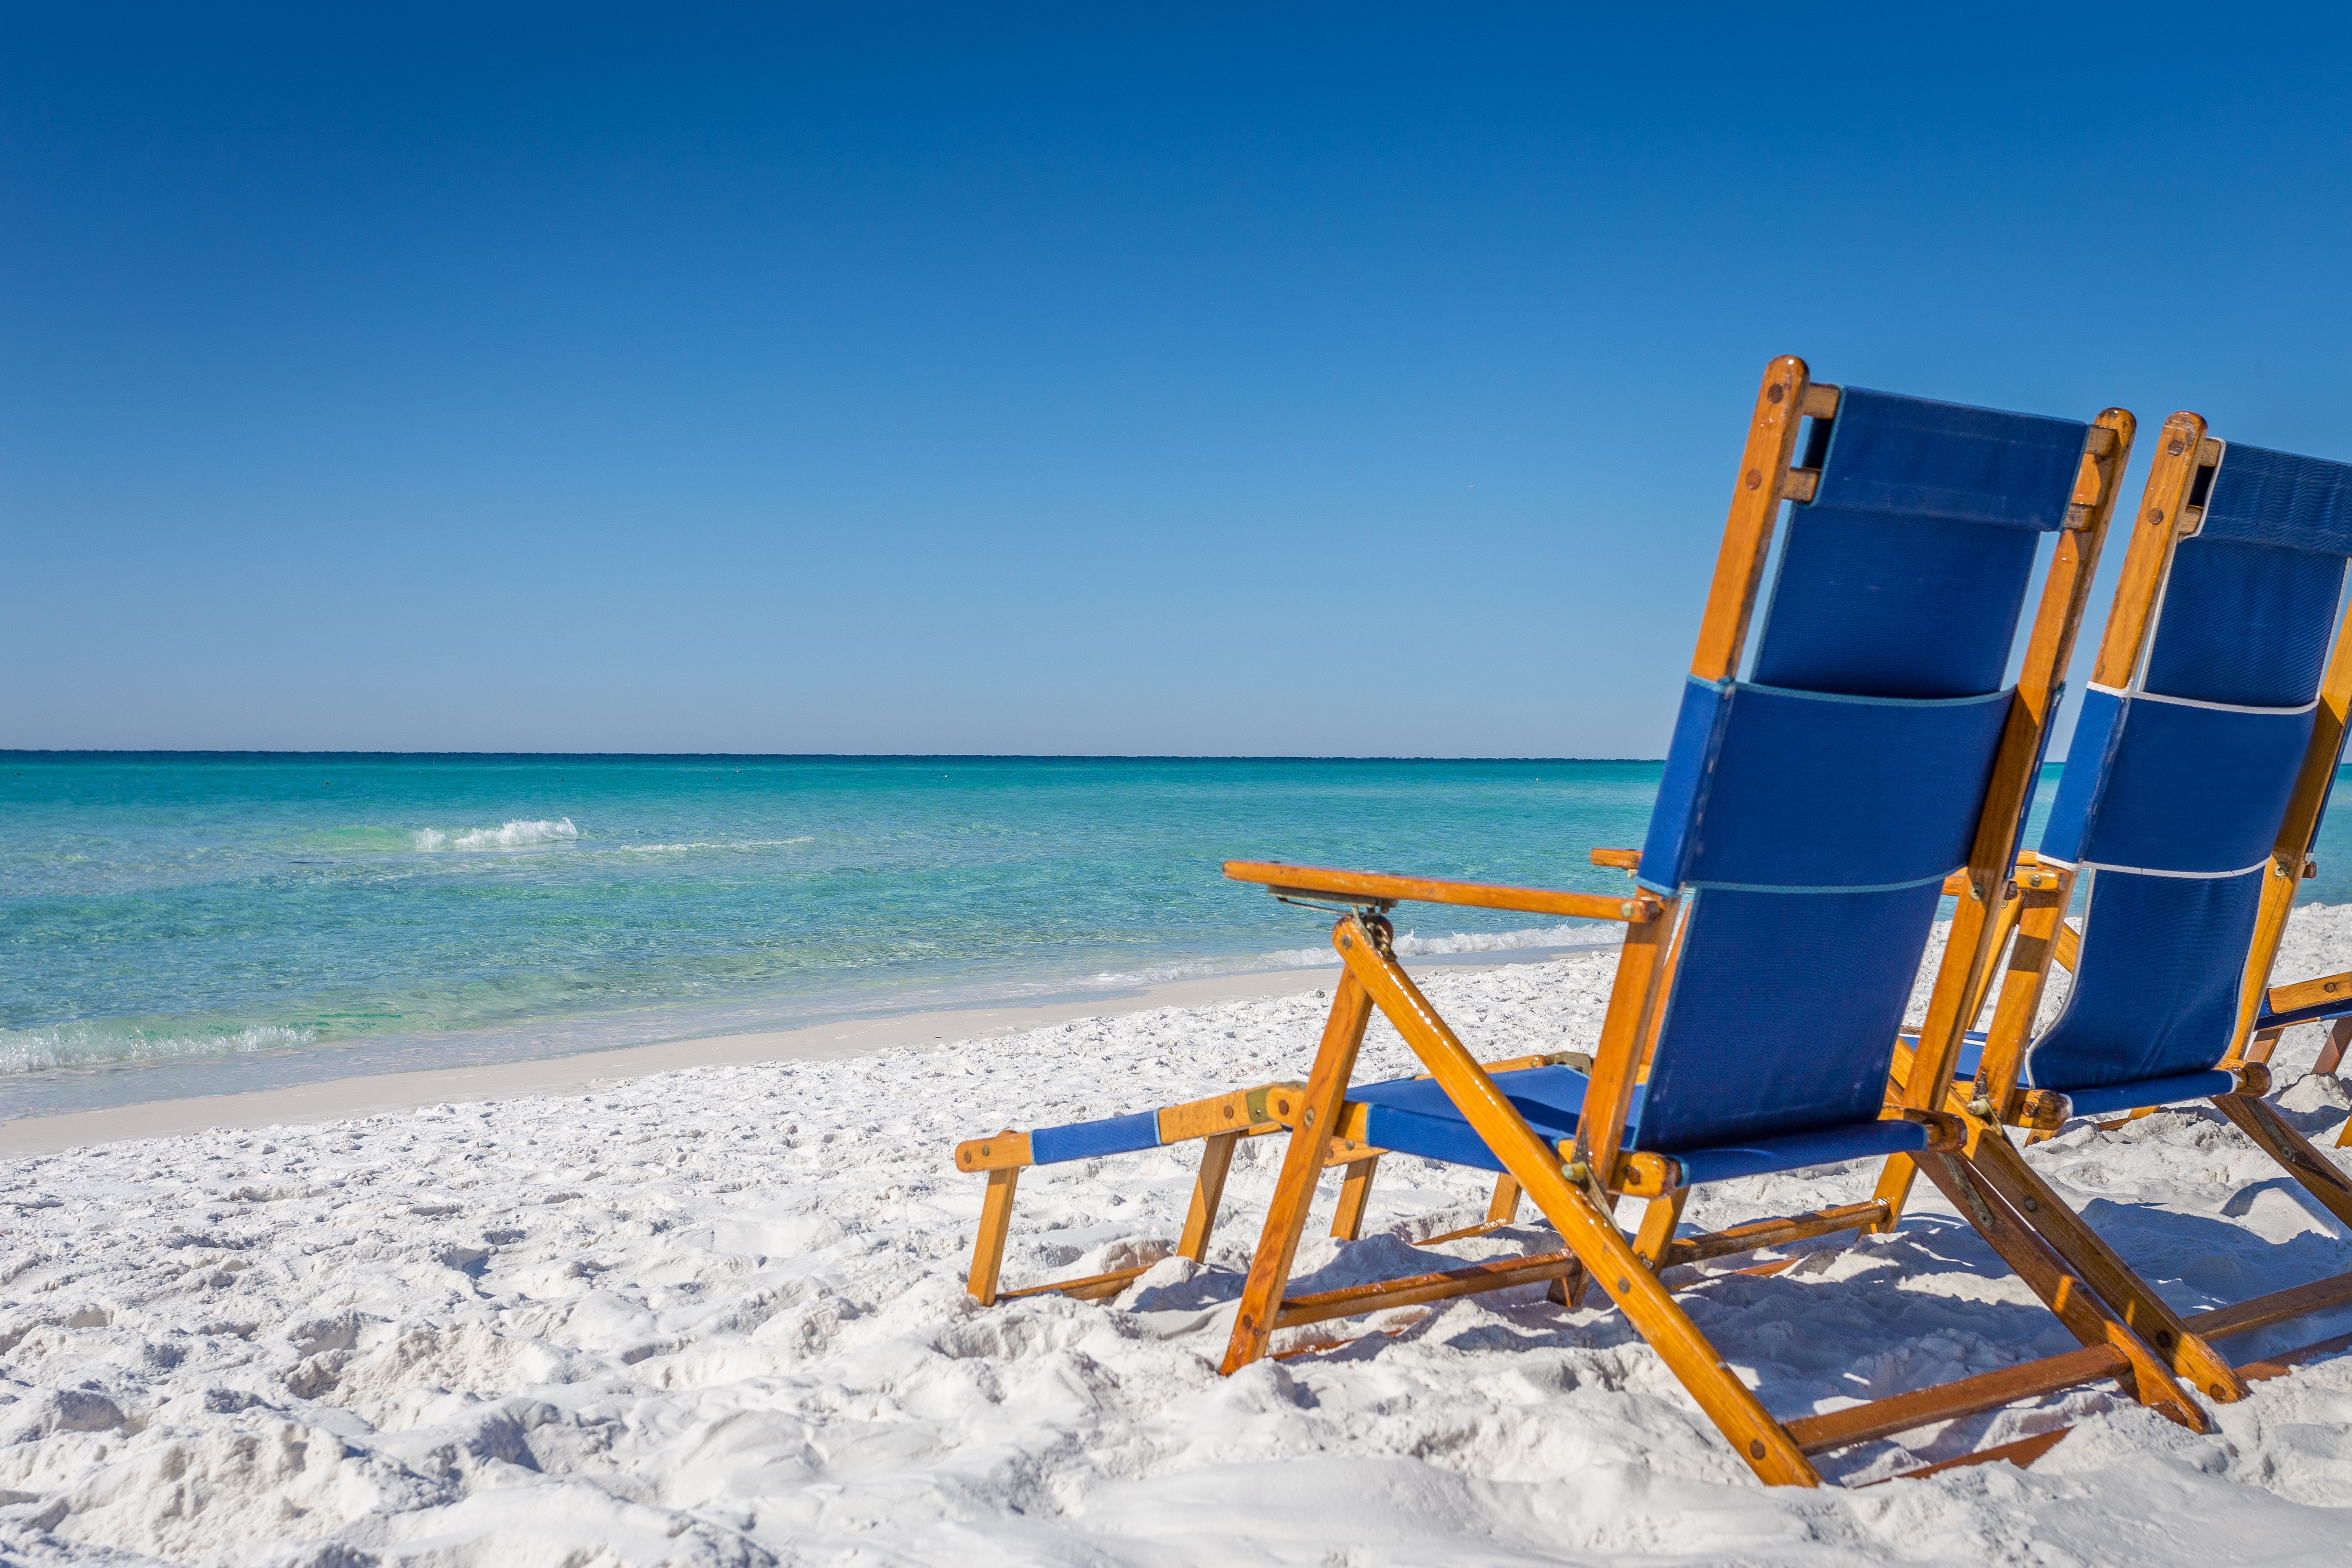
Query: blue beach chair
[1810, 812]
[2208, 740]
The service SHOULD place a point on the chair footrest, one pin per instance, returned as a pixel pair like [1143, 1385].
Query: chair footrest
[1963, 1397]
[1776, 1232]
[2278, 1307]
[2022, 1453]
[1090, 1287]
[1479, 1277]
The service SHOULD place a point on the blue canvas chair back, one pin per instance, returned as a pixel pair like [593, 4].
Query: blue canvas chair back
[1810, 812]
[2175, 786]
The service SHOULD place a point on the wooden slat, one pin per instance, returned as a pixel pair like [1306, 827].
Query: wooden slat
[1318, 881]
[1656, 1234]
[1208, 1193]
[2315, 1171]
[1755, 508]
[1950, 1401]
[987, 1246]
[2022, 1453]
[1355, 1196]
[2278, 1307]
[1475, 1279]
[1776, 1232]
[2172, 473]
[1621, 859]
[2309, 993]
[2086, 481]
[2037, 913]
[1089, 1288]
[1206, 1118]
[1617, 1060]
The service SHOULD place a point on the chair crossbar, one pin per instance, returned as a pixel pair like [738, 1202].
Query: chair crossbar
[1476, 1278]
[1962, 1396]
[2022, 1453]
[2278, 1307]
[1758, 1234]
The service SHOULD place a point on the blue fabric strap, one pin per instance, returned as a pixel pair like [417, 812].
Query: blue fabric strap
[2260, 497]
[2160, 785]
[2108, 1100]
[1086, 1140]
[1819, 792]
[1907, 456]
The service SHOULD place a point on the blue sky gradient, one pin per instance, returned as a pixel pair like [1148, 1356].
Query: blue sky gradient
[1323, 380]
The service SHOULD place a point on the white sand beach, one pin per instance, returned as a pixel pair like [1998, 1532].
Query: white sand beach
[716, 1315]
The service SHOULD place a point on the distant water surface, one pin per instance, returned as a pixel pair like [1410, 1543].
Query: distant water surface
[178, 923]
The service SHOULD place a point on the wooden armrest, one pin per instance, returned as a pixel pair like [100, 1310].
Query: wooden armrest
[2309, 993]
[1623, 860]
[1375, 888]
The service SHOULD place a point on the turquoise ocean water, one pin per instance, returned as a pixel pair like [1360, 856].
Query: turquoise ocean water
[177, 923]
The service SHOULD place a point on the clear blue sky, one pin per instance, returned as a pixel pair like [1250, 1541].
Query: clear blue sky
[998, 379]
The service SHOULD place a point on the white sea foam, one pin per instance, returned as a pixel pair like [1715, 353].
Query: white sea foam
[517, 835]
[740, 844]
[94, 1045]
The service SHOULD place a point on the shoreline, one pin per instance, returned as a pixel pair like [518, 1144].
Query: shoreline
[377, 1094]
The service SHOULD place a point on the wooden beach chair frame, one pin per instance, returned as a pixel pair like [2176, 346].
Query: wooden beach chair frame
[1577, 1188]
[2034, 910]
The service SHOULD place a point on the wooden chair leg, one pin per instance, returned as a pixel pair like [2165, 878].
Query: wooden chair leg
[1589, 1232]
[1208, 1191]
[2260, 1120]
[995, 1222]
[1504, 1207]
[1302, 1164]
[2265, 1042]
[2088, 1256]
[1657, 1232]
[2083, 1311]
[2331, 1055]
[1355, 1192]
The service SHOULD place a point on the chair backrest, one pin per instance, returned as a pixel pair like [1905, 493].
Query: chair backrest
[2177, 784]
[1810, 812]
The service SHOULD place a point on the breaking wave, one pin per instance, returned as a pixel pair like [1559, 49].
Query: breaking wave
[506, 836]
[109, 1045]
[745, 843]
